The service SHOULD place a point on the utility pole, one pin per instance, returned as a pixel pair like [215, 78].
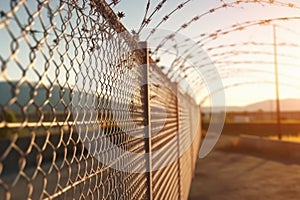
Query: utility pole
[278, 117]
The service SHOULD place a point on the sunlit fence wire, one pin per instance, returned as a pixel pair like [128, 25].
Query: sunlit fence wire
[70, 77]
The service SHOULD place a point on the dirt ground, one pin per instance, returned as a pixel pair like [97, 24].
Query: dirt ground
[232, 175]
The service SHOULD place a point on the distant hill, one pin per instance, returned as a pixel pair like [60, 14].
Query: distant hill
[267, 105]
[59, 97]
[270, 105]
[49, 98]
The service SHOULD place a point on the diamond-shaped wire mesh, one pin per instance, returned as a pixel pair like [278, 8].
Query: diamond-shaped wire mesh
[70, 90]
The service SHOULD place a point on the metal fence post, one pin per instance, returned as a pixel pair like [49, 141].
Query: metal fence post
[178, 141]
[191, 135]
[147, 114]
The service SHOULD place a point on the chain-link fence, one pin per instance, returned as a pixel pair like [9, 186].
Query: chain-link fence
[73, 93]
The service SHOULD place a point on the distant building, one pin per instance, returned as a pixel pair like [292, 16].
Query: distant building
[241, 119]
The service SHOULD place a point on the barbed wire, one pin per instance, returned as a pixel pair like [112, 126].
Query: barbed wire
[147, 19]
[232, 29]
[207, 37]
[213, 35]
[280, 26]
[164, 19]
[250, 43]
[234, 51]
[230, 76]
[179, 68]
[114, 2]
[212, 10]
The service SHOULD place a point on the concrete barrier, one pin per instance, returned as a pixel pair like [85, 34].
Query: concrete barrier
[271, 147]
[264, 129]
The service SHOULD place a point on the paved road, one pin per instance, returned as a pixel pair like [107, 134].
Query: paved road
[230, 175]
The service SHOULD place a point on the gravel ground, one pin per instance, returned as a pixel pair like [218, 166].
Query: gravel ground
[231, 175]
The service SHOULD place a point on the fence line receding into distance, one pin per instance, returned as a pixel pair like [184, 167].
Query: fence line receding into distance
[71, 76]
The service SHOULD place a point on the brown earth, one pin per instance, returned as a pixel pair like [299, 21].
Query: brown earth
[231, 174]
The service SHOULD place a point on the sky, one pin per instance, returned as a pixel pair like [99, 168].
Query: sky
[247, 71]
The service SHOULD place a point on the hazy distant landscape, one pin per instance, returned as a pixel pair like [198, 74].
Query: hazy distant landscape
[259, 118]
[267, 106]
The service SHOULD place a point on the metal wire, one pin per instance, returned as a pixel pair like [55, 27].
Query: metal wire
[64, 67]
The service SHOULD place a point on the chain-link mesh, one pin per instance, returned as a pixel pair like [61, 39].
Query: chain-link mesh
[68, 79]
